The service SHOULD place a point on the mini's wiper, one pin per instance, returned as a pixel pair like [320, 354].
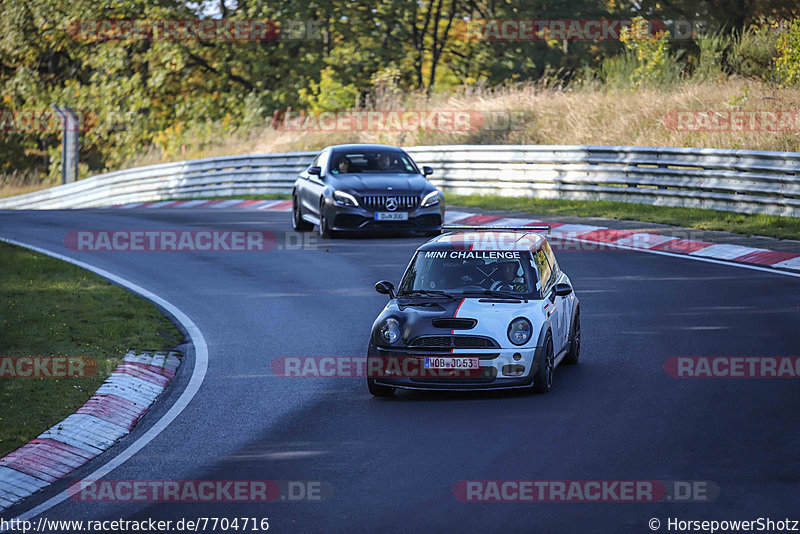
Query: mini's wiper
[497, 293]
[427, 293]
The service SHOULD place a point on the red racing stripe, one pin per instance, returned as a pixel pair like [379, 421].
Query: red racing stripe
[453, 331]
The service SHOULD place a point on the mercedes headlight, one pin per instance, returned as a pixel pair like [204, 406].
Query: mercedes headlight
[345, 199]
[431, 199]
[519, 331]
[390, 330]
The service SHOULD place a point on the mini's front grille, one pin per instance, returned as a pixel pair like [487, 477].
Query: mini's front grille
[379, 202]
[488, 375]
[455, 324]
[454, 342]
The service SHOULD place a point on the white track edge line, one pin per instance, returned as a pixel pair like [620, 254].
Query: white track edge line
[195, 381]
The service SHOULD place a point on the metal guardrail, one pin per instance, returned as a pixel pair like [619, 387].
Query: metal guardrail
[729, 180]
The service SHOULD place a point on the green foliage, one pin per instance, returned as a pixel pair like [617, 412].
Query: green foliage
[787, 64]
[711, 63]
[645, 60]
[655, 65]
[164, 96]
[329, 94]
[618, 71]
[753, 52]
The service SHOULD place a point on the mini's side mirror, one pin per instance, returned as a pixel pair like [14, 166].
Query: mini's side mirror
[316, 171]
[427, 171]
[385, 287]
[562, 290]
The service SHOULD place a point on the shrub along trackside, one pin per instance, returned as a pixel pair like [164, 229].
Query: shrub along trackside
[49, 308]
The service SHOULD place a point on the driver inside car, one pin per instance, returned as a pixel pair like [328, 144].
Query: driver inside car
[343, 166]
[506, 278]
[384, 162]
[448, 276]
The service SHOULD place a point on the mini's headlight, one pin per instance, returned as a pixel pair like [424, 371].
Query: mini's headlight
[519, 331]
[431, 199]
[345, 199]
[390, 330]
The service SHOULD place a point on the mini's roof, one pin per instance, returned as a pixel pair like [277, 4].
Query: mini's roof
[486, 240]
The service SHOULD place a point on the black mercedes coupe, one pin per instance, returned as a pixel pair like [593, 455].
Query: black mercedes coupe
[366, 188]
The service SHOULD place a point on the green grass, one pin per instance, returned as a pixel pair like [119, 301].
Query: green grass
[701, 219]
[52, 308]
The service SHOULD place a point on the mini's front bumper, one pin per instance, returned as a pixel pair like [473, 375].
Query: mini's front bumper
[499, 369]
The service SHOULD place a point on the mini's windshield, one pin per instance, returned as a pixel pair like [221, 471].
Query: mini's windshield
[372, 161]
[467, 272]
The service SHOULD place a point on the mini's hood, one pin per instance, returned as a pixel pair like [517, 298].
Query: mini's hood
[493, 316]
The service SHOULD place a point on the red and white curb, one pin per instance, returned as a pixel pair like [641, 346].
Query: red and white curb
[645, 241]
[626, 239]
[106, 417]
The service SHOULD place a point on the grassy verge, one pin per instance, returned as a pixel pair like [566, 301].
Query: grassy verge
[14, 190]
[701, 219]
[52, 308]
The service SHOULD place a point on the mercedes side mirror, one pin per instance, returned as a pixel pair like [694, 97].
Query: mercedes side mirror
[316, 171]
[427, 171]
[385, 287]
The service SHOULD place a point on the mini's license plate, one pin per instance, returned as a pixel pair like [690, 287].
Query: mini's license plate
[391, 216]
[447, 362]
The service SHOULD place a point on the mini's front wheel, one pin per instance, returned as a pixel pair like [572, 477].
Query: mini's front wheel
[574, 354]
[543, 379]
[377, 390]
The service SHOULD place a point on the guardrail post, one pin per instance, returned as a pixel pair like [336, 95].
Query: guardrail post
[70, 138]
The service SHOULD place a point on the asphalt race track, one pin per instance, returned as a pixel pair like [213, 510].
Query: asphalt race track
[392, 464]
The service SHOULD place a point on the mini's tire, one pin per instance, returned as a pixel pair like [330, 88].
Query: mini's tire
[298, 224]
[378, 390]
[574, 353]
[543, 379]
